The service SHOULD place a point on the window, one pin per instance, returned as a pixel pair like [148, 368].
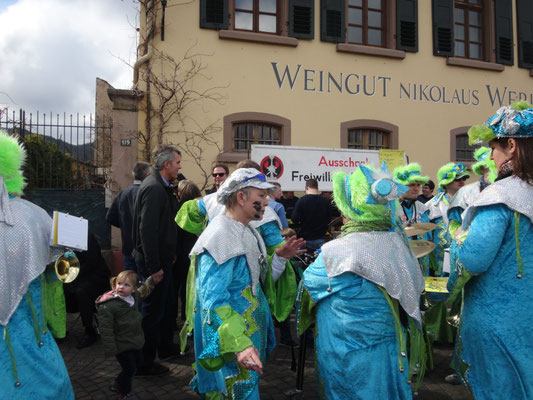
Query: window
[460, 150]
[368, 134]
[247, 133]
[473, 33]
[369, 139]
[243, 129]
[256, 15]
[469, 29]
[366, 22]
[259, 20]
[463, 151]
[386, 28]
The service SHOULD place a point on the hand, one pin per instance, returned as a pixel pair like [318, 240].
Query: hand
[291, 248]
[249, 359]
[157, 276]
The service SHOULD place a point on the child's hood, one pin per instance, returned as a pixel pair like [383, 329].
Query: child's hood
[105, 297]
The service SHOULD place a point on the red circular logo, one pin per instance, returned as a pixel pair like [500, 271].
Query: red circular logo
[271, 167]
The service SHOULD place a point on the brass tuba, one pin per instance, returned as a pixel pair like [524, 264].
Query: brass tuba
[67, 267]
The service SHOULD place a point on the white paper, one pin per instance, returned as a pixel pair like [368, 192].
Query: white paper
[446, 261]
[69, 231]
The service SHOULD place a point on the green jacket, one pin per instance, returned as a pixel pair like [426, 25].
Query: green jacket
[120, 323]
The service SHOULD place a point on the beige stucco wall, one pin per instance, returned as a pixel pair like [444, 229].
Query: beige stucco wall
[245, 76]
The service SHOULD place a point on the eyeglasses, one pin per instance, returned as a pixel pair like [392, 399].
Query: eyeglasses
[218, 174]
[463, 178]
[261, 177]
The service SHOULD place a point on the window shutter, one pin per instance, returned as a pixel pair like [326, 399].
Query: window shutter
[407, 25]
[214, 14]
[524, 17]
[503, 20]
[443, 37]
[332, 21]
[302, 19]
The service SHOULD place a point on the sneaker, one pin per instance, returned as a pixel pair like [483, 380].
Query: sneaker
[155, 369]
[453, 379]
[129, 396]
[86, 341]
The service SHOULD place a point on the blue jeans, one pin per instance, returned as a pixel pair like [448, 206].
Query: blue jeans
[314, 243]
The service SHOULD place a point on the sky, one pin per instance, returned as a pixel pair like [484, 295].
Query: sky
[52, 51]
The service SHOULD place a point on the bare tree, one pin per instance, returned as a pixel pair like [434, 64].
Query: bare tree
[171, 94]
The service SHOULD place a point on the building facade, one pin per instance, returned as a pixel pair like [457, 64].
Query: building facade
[220, 75]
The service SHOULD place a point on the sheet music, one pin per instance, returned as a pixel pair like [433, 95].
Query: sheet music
[69, 231]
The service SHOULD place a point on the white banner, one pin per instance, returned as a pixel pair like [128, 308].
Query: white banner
[291, 166]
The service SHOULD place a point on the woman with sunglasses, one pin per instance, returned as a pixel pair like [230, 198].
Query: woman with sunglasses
[494, 350]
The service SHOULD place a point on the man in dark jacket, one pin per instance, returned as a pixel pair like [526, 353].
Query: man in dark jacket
[120, 214]
[154, 238]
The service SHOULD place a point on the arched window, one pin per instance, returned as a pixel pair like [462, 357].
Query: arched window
[241, 130]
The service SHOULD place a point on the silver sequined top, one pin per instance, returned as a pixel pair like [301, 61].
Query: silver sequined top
[465, 196]
[225, 238]
[513, 192]
[24, 249]
[383, 258]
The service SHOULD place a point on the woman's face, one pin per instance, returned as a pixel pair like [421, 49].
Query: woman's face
[500, 154]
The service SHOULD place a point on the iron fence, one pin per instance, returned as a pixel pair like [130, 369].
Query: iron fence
[63, 151]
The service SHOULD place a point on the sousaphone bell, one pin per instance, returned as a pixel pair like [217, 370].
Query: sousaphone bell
[67, 267]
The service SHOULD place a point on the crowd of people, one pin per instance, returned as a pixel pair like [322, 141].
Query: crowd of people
[221, 265]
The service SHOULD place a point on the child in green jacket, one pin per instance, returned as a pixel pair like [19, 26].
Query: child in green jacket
[120, 324]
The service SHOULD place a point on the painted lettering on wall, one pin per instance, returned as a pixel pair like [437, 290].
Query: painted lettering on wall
[297, 77]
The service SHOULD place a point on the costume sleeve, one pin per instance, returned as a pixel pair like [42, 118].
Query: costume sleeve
[281, 292]
[271, 234]
[106, 322]
[190, 218]
[224, 330]
[485, 237]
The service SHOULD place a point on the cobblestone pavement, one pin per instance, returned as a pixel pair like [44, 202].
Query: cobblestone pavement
[91, 374]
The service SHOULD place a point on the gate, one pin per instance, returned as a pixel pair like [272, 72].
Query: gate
[68, 158]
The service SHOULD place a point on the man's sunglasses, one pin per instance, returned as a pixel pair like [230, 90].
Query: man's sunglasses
[218, 175]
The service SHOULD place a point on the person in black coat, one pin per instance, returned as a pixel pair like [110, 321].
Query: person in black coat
[91, 282]
[154, 238]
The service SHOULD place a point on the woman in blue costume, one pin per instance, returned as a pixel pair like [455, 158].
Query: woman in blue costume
[357, 289]
[194, 216]
[233, 329]
[494, 350]
[31, 364]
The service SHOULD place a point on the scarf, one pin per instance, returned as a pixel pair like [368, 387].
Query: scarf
[356, 226]
[505, 170]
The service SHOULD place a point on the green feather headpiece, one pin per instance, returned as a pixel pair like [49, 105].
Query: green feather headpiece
[367, 195]
[482, 156]
[450, 172]
[12, 157]
[408, 174]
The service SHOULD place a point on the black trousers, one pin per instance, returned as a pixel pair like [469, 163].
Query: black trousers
[157, 321]
[129, 360]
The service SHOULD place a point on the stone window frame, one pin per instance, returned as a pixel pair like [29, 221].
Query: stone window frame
[391, 129]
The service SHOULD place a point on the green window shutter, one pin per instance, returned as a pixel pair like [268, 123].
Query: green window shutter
[302, 19]
[443, 42]
[332, 21]
[503, 20]
[524, 18]
[214, 14]
[407, 25]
